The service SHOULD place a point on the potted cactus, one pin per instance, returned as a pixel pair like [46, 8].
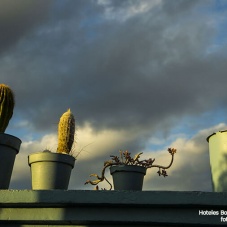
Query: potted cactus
[127, 172]
[52, 170]
[9, 145]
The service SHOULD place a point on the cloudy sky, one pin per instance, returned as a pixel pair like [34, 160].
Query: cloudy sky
[139, 75]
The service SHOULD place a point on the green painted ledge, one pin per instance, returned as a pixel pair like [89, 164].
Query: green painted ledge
[110, 208]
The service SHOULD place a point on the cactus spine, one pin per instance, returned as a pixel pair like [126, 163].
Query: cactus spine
[6, 106]
[66, 130]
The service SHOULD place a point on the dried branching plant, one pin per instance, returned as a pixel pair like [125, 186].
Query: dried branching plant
[126, 159]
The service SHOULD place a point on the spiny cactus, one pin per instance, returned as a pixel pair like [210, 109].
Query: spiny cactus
[6, 106]
[66, 130]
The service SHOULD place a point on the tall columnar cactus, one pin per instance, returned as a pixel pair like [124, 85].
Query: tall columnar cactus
[66, 131]
[6, 106]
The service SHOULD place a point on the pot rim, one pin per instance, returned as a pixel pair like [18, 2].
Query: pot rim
[207, 139]
[128, 168]
[10, 141]
[51, 157]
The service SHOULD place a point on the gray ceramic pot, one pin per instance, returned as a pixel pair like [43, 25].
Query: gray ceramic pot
[9, 148]
[50, 170]
[128, 177]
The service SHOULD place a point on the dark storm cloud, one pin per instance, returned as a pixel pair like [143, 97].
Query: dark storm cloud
[18, 17]
[139, 73]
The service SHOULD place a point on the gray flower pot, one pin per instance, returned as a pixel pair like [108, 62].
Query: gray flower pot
[50, 170]
[9, 148]
[128, 177]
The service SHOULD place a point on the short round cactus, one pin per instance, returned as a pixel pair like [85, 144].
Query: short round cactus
[6, 106]
[66, 131]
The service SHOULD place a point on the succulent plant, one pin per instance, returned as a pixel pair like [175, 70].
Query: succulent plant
[126, 159]
[6, 106]
[66, 131]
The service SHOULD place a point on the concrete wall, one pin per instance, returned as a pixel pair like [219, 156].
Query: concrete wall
[111, 208]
